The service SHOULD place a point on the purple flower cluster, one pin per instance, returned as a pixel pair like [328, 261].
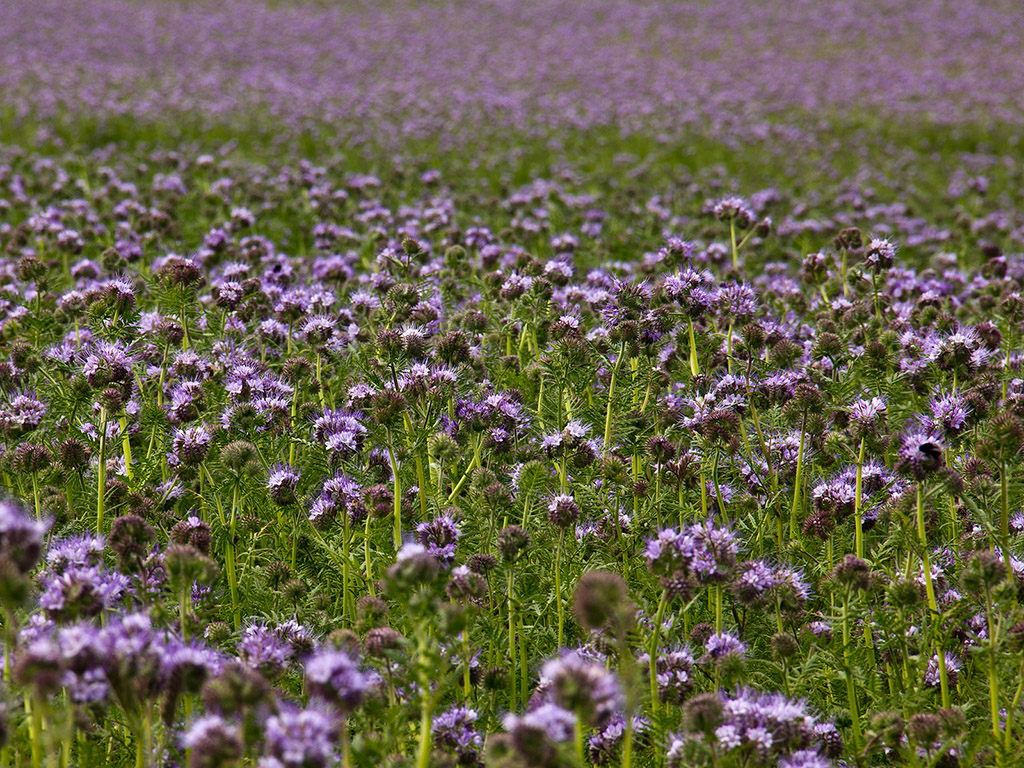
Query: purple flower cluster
[701, 551]
[327, 442]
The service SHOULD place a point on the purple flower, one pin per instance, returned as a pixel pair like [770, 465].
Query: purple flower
[339, 493]
[318, 329]
[81, 591]
[867, 412]
[701, 551]
[22, 415]
[879, 254]
[666, 552]
[720, 645]
[754, 582]
[87, 687]
[21, 537]
[454, 730]
[302, 738]
[714, 553]
[673, 672]
[213, 741]
[835, 497]
[791, 588]
[768, 723]
[932, 674]
[440, 536]
[602, 745]
[341, 432]
[692, 290]
[737, 302]
[582, 686]
[191, 663]
[550, 720]
[265, 650]
[281, 484]
[186, 400]
[821, 630]
[189, 446]
[84, 549]
[949, 413]
[805, 758]
[132, 655]
[920, 454]
[108, 363]
[335, 677]
[563, 511]
[734, 207]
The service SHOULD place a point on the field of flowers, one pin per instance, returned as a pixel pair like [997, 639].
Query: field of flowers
[544, 384]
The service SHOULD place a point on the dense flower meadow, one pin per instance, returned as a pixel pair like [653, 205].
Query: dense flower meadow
[698, 446]
[382, 72]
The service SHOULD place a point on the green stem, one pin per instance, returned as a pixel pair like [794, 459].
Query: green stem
[653, 653]
[718, 608]
[101, 473]
[418, 461]
[858, 524]
[184, 328]
[469, 470]
[366, 554]
[426, 705]
[511, 643]
[346, 746]
[993, 688]
[295, 540]
[728, 346]
[397, 495]
[236, 610]
[925, 559]
[558, 588]
[126, 447]
[35, 495]
[732, 238]
[851, 690]
[578, 742]
[611, 398]
[35, 730]
[524, 666]
[993, 677]
[1012, 709]
[694, 365]
[1004, 493]
[465, 667]
[933, 606]
[183, 604]
[799, 478]
[319, 384]
[346, 596]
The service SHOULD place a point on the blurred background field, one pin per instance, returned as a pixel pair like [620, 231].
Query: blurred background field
[382, 74]
[313, 303]
[810, 95]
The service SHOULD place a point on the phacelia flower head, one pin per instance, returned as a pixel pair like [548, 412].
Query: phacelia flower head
[583, 686]
[335, 677]
[920, 455]
[563, 511]
[301, 738]
[190, 446]
[879, 254]
[535, 734]
[281, 484]
[455, 731]
[21, 537]
[213, 742]
[440, 536]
